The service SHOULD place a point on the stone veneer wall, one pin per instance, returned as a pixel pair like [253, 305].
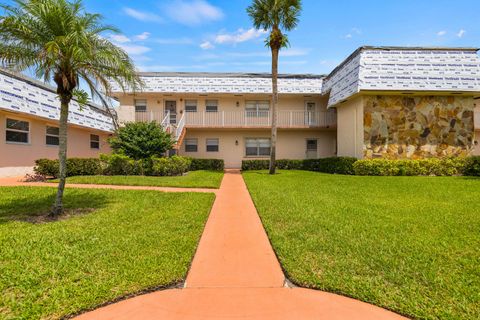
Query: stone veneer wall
[418, 127]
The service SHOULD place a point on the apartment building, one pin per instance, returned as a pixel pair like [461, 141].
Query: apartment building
[29, 114]
[391, 102]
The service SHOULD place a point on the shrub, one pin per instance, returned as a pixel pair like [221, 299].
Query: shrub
[407, 167]
[206, 164]
[46, 167]
[75, 167]
[117, 164]
[472, 166]
[141, 140]
[338, 165]
[172, 166]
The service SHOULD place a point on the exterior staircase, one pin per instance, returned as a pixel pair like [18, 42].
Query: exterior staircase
[178, 131]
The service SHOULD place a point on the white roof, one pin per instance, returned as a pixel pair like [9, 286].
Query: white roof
[404, 69]
[23, 95]
[229, 83]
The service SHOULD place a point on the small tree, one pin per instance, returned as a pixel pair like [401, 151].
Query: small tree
[141, 140]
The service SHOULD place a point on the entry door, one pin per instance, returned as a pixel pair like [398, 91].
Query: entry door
[310, 113]
[172, 107]
[312, 148]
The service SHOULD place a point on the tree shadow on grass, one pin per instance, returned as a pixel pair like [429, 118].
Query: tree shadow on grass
[35, 207]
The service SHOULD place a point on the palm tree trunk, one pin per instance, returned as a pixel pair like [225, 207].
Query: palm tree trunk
[62, 157]
[273, 140]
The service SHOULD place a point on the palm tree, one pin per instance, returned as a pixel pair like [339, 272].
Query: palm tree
[275, 15]
[59, 41]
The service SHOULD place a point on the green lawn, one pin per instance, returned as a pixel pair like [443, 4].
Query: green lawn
[193, 179]
[131, 241]
[410, 244]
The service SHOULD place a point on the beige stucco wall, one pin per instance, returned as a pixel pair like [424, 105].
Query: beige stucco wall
[156, 102]
[291, 144]
[22, 155]
[350, 128]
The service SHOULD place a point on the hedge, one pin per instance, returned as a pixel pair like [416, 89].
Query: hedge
[206, 164]
[339, 165]
[421, 167]
[472, 166]
[75, 167]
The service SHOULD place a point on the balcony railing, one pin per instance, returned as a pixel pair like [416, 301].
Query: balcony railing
[245, 119]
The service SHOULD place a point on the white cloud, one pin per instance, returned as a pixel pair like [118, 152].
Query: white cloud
[142, 36]
[241, 35]
[461, 33]
[348, 36]
[173, 41]
[441, 33]
[207, 45]
[134, 49]
[291, 52]
[356, 31]
[194, 12]
[120, 38]
[142, 16]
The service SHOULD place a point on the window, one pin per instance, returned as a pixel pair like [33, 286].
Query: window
[312, 145]
[52, 139]
[140, 105]
[17, 131]
[190, 105]
[94, 141]
[211, 106]
[212, 145]
[257, 108]
[257, 147]
[191, 145]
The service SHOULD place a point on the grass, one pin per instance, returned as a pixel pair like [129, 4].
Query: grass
[193, 179]
[132, 241]
[409, 244]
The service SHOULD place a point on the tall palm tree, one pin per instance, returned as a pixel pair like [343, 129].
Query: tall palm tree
[61, 42]
[275, 16]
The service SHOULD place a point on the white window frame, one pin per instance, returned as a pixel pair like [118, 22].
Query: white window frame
[51, 135]
[94, 141]
[257, 155]
[256, 108]
[212, 142]
[191, 140]
[17, 130]
[211, 103]
[191, 103]
[142, 104]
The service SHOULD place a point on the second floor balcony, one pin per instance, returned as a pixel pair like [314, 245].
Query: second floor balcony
[246, 119]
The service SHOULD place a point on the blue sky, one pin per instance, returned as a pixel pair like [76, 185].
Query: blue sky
[213, 35]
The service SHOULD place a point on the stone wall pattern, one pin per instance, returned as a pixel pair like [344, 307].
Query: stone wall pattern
[418, 127]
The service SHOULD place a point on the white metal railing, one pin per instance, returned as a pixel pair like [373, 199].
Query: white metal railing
[179, 128]
[285, 119]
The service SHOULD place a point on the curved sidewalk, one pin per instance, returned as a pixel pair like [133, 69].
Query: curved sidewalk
[235, 275]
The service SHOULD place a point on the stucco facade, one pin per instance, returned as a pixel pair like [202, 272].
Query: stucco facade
[14, 154]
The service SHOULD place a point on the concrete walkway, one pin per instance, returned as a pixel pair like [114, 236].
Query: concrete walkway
[235, 275]
[17, 182]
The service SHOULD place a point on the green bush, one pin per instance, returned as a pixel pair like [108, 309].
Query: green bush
[472, 166]
[46, 167]
[172, 166]
[407, 167]
[75, 167]
[117, 164]
[141, 140]
[206, 164]
[337, 165]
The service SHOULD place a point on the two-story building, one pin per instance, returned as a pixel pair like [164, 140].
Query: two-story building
[380, 102]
